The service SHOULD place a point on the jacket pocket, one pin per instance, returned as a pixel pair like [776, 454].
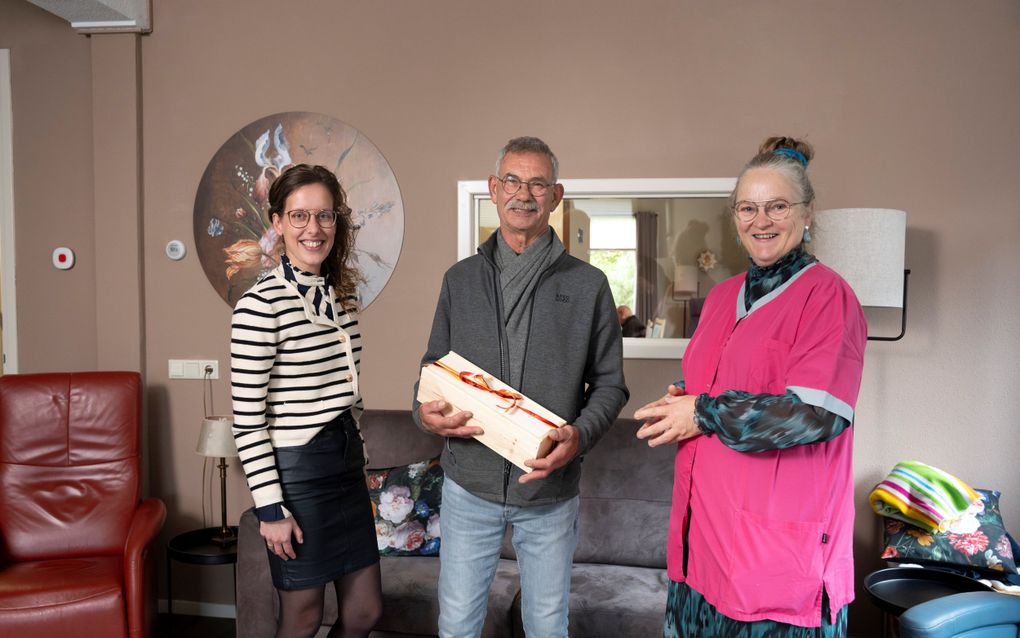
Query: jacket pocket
[775, 565]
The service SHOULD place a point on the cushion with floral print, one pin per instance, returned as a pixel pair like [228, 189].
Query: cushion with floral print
[977, 541]
[405, 502]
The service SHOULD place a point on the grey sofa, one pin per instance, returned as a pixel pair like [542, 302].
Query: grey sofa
[619, 581]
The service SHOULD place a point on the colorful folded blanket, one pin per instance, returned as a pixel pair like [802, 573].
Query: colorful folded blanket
[922, 495]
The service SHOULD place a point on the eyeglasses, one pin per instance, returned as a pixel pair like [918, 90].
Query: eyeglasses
[775, 209]
[299, 218]
[511, 184]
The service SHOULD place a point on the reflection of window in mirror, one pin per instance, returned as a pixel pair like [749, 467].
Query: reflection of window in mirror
[663, 244]
[613, 245]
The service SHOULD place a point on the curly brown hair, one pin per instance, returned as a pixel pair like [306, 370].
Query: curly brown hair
[337, 265]
[794, 169]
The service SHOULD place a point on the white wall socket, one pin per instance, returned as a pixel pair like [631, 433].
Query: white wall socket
[193, 368]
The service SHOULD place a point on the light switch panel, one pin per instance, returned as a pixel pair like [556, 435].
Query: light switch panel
[193, 368]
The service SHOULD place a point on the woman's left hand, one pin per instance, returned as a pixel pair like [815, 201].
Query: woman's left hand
[278, 535]
[668, 420]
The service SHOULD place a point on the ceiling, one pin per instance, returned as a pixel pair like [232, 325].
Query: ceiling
[102, 16]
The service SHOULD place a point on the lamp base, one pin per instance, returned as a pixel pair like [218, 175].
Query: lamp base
[225, 537]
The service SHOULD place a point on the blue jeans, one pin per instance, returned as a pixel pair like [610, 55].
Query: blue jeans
[544, 537]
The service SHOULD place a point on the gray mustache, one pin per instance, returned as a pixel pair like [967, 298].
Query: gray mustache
[523, 205]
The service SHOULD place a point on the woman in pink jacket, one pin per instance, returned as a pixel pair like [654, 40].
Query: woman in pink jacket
[761, 532]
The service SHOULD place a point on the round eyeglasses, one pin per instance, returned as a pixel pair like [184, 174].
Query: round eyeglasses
[299, 218]
[775, 209]
[511, 184]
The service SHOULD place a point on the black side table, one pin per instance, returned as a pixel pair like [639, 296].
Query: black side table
[197, 548]
[896, 589]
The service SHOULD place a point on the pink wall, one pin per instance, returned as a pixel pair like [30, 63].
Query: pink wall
[910, 105]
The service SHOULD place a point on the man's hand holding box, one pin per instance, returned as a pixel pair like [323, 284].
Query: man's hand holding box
[512, 425]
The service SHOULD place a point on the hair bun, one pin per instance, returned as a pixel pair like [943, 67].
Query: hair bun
[789, 146]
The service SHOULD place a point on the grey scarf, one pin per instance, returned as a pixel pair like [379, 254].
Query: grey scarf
[518, 276]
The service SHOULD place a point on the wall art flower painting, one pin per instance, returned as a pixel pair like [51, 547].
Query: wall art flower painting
[234, 238]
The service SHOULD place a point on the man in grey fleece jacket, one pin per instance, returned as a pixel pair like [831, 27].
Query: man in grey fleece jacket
[545, 323]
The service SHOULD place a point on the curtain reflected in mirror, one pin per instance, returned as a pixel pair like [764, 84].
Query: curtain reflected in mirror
[662, 256]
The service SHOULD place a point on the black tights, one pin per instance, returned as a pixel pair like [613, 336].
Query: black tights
[359, 603]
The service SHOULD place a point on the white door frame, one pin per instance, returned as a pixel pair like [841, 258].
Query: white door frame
[9, 306]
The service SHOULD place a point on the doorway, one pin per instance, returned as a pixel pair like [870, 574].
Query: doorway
[8, 314]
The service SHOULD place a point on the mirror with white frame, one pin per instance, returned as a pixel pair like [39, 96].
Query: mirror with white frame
[680, 228]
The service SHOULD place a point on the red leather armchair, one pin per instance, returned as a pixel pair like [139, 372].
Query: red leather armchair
[74, 532]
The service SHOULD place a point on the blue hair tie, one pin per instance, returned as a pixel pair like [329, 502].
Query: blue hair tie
[792, 152]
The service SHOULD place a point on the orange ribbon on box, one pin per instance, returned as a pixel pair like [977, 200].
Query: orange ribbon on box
[477, 380]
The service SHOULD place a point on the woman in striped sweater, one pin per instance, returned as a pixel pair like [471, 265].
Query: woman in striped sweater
[295, 350]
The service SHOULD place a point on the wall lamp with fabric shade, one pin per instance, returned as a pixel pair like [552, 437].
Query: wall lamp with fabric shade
[216, 439]
[866, 246]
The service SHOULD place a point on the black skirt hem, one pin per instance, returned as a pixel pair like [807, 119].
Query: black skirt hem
[323, 579]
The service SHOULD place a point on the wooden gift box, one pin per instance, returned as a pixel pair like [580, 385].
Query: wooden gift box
[515, 427]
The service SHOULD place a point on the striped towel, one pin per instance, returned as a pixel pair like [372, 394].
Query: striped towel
[922, 495]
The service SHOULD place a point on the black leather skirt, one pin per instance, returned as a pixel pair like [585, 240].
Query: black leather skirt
[324, 488]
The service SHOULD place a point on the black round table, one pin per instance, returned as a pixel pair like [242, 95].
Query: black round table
[197, 547]
[896, 589]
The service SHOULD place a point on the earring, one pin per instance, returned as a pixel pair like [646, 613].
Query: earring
[738, 241]
[807, 235]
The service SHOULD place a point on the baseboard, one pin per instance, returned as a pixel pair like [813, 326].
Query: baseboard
[194, 608]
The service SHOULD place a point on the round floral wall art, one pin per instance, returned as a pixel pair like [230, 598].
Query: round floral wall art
[234, 238]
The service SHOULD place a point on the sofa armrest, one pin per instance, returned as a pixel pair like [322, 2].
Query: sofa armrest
[953, 615]
[256, 597]
[145, 525]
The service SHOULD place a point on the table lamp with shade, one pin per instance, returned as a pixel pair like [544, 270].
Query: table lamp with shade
[216, 439]
[685, 281]
[866, 246]
[685, 286]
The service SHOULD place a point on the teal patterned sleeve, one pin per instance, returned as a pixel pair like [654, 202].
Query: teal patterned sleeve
[749, 422]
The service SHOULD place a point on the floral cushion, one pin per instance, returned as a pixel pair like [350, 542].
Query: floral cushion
[977, 541]
[405, 502]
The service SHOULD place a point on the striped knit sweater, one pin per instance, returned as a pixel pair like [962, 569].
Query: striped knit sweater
[292, 371]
